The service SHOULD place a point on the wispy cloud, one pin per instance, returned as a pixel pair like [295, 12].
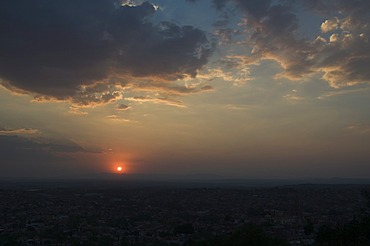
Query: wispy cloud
[77, 111]
[18, 131]
[117, 118]
[162, 100]
[359, 128]
[343, 91]
[237, 107]
[293, 96]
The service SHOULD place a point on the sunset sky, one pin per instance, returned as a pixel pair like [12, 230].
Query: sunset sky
[233, 88]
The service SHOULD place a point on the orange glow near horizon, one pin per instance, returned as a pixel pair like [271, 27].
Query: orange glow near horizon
[118, 164]
[119, 168]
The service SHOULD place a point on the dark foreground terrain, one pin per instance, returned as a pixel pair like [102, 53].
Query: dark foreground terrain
[125, 213]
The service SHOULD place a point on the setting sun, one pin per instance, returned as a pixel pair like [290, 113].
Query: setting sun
[119, 167]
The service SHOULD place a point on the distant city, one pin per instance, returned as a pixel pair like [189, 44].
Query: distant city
[132, 212]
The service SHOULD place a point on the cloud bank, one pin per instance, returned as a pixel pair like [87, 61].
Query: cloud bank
[79, 50]
[90, 52]
[341, 52]
[28, 155]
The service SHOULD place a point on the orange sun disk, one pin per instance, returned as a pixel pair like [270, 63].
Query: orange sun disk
[119, 169]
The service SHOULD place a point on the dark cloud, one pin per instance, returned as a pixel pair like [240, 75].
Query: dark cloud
[52, 47]
[171, 53]
[123, 107]
[272, 32]
[22, 149]
[41, 144]
[207, 88]
[66, 147]
[21, 156]
[55, 48]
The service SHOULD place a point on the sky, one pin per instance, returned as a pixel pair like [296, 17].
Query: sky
[227, 88]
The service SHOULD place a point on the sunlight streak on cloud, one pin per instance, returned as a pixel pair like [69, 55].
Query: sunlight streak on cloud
[116, 118]
[19, 131]
[161, 100]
